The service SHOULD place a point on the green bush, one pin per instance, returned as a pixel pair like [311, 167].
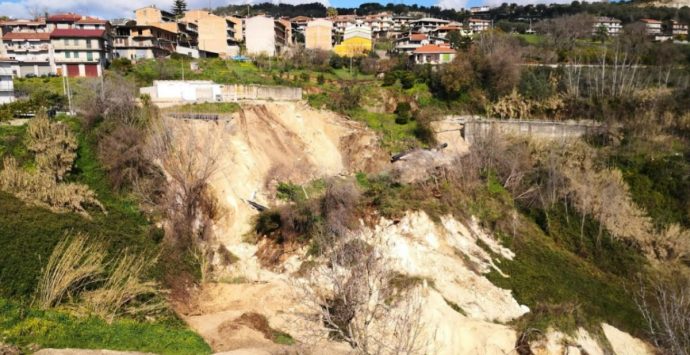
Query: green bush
[404, 113]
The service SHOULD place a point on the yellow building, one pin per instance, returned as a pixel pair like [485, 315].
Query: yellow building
[353, 47]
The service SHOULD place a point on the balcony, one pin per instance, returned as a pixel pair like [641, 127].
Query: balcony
[81, 59]
[6, 86]
[78, 47]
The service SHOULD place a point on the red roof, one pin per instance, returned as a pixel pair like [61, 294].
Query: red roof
[43, 36]
[418, 37]
[68, 17]
[433, 48]
[91, 20]
[449, 28]
[649, 20]
[76, 33]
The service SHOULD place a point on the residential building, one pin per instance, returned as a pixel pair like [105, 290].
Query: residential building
[285, 26]
[340, 23]
[356, 41]
[31, 26]
[137, 42]
[443, 31]
[433, 54]
[62, 21]
[479, 9]
[300, 23]
[677, 29]
[476, 25]
[381, 24]
[238, 26]
[152, 15]
[31, 51]
[401, 25]
[426, 24]
[653, 27]
[216, 34]
[91, 23]
[408, 44]
[612, 26]
[319, 35]
[264, 35]
[80, 52]
[6, 82]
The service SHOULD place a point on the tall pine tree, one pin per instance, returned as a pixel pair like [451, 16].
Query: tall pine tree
[179, 8]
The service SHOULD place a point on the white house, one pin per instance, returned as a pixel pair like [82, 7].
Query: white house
[612, 26]
[6, 84]
[183, 91]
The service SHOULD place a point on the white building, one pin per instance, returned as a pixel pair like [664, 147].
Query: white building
[261, 37]
[6, 83]
[612, 26]
[653, 27]
[358, 29]
[427, 24]
[183, 91]
[478, 25]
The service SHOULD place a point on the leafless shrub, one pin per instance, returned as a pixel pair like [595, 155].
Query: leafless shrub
[664, 303]
[356, 301]
[122, 153]
[112, 97]
[73, 263]
[53, 144]
[339, 205]
[563, 32]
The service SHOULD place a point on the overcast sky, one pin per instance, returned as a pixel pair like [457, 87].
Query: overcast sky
[123, 8]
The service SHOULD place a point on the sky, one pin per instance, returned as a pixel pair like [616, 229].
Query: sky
[110, 9]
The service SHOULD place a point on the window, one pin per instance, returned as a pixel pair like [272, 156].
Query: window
[88, 43]
[89, 56]
[75, 54]
[67, 54]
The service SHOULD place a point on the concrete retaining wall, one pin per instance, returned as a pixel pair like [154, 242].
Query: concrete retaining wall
[260, 92]
[176, 91]
[473, 127]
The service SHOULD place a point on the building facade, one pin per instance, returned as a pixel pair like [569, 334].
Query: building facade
[319, 35]
[264, 36]
[433, 54]
[356, 41]
[216, 34]
[137, 42]
[6, 83]
[611, 26]
[80, 52]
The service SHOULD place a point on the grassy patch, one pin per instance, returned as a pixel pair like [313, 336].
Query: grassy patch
[206, 107]
[23, 326]
[394, 137]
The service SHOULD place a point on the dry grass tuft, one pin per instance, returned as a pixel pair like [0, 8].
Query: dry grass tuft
[72, 265]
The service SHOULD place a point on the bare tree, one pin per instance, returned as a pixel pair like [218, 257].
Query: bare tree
[665, 305]
[355, 300]
[188, 159]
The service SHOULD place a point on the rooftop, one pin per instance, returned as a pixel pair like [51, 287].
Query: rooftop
[76, 33]
[66, 17]
[433, 48]
[9, 36]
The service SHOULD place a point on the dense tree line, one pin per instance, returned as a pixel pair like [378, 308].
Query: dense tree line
[625, 11]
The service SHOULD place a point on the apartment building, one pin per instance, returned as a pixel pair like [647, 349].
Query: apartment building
[285, 27]
[216, 34]
[401, 24]
[264, 36]
[6, 82]
[80, 52]
[479, 9]
[408, 44]
[31, 51]
[137, 42]
[426, 24]
[443, 31]
[612, 26]
[319, 35]
[653, 27]
[340, 23]
[152, 15]
[300, 23]
[677, 29]
[476, 25]
[381, 24]
[238, 26]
